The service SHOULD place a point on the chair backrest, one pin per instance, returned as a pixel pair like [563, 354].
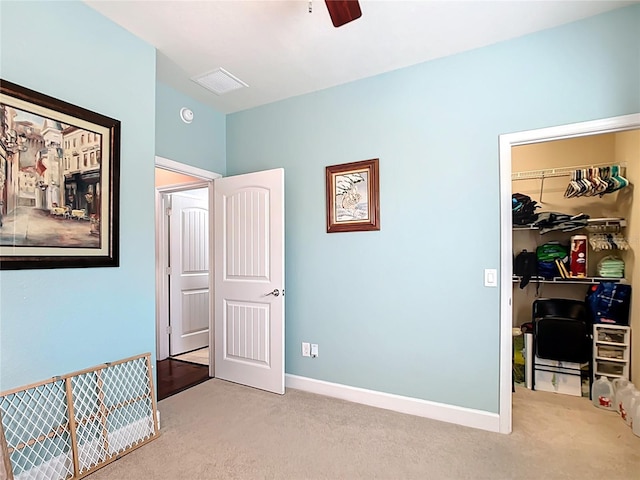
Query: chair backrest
[562, 339]
[562, 329]
[560, 307]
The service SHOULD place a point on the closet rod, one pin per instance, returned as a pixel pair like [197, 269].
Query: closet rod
[558, 172]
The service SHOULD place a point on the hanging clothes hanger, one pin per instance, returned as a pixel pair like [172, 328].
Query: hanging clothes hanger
[619, 178]
[589, 183]
[585, 185]
[605, 174]
[615, 183]
[573, 187]
[602, 184]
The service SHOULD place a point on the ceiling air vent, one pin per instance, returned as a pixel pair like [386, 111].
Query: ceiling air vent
[219, 81]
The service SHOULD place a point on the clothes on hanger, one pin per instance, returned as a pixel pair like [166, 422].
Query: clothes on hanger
[608, 241]
[595, 181]
[554, 221]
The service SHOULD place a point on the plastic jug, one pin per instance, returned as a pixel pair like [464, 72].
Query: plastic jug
[635, 426]
[623, 398]
[634, 406]
[629, 403]
[617, 394]
[619, 383]
[602, 394]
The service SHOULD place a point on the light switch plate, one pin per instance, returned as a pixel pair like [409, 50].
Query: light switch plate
[490, 277]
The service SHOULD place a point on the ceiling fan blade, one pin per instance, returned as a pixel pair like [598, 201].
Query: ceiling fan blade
[343, 11]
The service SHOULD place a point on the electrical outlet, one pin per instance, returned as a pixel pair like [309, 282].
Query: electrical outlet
[306, 349]
[314, 350]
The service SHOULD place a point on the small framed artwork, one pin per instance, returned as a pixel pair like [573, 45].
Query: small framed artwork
[59, 183]
[353, 197]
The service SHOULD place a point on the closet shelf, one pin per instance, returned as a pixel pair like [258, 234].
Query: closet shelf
[557, 172]
[577, 280]
[604, 222]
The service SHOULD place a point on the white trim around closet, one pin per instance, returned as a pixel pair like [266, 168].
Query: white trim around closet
[507, 141]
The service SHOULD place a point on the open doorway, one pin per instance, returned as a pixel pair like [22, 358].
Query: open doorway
[183, 276]
[507, 145]
[247, 306]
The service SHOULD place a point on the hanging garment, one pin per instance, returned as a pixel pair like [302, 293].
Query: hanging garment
[554, 221]
[525, 265]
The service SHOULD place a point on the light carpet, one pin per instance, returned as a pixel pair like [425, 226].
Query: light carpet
[220, 430]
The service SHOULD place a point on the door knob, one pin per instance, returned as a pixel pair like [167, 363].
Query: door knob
[275, 292]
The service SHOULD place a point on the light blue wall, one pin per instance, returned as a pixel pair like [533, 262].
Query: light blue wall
[53, 322]
[201, 143]
[404, 310]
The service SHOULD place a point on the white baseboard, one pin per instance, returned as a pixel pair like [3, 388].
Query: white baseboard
[467, 417]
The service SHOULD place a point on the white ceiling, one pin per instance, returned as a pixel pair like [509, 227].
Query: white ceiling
[281, 50]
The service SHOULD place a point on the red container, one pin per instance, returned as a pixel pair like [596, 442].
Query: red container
[578, 258]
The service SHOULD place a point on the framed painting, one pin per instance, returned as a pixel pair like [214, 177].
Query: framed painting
[353, 198]
[59, 183]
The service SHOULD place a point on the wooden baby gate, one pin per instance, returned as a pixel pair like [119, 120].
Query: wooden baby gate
[69, 426]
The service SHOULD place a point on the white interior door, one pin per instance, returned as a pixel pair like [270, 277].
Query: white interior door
[189, 266]
[249, 279]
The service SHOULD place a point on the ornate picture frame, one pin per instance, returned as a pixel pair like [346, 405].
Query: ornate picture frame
[353, 196]
[59, 183]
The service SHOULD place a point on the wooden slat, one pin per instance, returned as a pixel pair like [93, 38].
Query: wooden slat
[103, 413]
[29, 387]
[72, 427]
[6, 472]
[153, 396]
[73, 374]
[32, 441]
[102, 366]
[113, 408]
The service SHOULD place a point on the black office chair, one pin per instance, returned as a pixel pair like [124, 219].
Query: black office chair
[562, 332]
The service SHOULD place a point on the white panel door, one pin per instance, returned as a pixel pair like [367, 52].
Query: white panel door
[249, 279]
[189, 278]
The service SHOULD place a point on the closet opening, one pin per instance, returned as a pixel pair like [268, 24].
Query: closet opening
[564, 170]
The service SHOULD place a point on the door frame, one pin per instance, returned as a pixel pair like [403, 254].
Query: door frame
[506, 142]
[162, 292]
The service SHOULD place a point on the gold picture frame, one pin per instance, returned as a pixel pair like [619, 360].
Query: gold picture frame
[353, 196]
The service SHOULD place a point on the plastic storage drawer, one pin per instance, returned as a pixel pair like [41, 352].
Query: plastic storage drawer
[608, 351]
[609, 368]
[610, 335]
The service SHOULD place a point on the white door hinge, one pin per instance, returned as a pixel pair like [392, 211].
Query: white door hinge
[168, 271]
[169, 330]
[168, 212]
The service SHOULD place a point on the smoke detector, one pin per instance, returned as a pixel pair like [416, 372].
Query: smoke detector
[219, 81]
[186, 115]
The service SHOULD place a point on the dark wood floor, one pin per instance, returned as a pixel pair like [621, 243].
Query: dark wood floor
[175, 376]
